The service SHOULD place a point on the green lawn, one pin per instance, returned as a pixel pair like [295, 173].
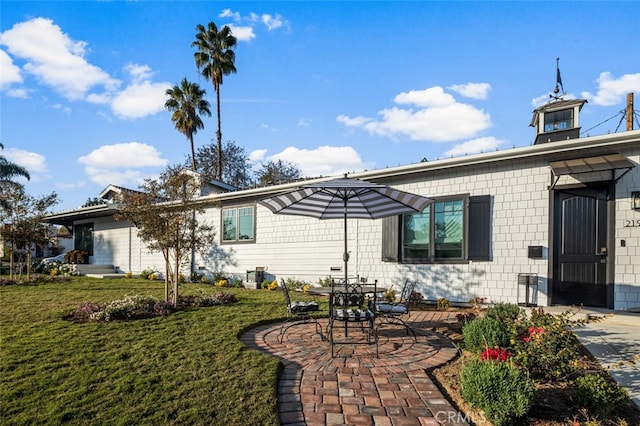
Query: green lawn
[186, 368]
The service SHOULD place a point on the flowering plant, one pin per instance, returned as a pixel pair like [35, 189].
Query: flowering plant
[465, 317]
[273, 285]
[495, 354]
[533, 333]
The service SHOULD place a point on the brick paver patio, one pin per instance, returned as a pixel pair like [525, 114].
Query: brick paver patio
[355, 387]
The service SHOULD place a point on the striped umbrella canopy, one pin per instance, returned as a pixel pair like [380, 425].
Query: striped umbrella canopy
[346, 198]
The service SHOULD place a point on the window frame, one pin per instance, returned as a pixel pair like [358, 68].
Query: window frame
[476, 241]
[431, 258]
[556, 118]
[236, 210]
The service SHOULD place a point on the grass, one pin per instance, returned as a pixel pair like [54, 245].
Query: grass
[186, 368]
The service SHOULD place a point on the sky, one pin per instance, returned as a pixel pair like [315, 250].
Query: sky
[332, 87]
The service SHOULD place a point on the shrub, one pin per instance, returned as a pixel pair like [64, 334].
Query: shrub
[126, 308]
[390, 295]
[596, 392]
[273, 285]
[485, 332]
[146, 274]
[507, 312]
[225, 298]
[222, 283]
[443, 304]
[465, 317]
[503, 391]
[545, 345]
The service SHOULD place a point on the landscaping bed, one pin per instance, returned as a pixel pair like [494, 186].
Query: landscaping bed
[556, 402]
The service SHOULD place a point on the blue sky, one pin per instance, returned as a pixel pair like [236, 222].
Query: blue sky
[333, 87]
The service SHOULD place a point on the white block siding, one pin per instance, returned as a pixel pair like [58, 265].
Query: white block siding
[627, 269]
[517, 180]
[307, 248]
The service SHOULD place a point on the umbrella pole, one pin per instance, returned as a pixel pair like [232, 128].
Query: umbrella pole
[345, 255]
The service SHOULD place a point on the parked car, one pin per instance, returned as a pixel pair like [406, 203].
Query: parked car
[47, 260]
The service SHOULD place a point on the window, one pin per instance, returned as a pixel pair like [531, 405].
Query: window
[83, 237]
[434, 234]
[452, 229]
[238, 224]
[558, 120]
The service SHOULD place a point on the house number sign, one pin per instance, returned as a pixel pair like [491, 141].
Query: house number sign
[632, 223]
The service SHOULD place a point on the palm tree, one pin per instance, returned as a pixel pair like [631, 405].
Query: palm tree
[215, 58]
[9, 170]
[187, 103]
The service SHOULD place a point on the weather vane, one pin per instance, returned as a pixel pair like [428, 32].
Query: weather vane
[556, 92]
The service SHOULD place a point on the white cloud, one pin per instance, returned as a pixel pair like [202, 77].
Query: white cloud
[472, 90]
[140, 99]
[431, 97]
[244, 26]
[18, 93]
[475, 146]
[242, 33]
[228, 13]
[257, 155]
[611, 90]
[138, 72]
[121, 164]
[54, 58]
[322, 161]
[9, 72]
[304, 122]
[438, 118]
[272, 22]
[36, 164]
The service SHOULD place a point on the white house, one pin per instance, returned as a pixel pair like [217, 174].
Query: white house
[560, 218]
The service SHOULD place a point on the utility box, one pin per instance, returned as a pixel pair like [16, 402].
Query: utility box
[527, 290]
[259, 277]
[256, 276]
[536, 252]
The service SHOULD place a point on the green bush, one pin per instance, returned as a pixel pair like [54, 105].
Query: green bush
[597, 393]
[145, 274]
[443, 304]
[546, 346]
[485, 332]
[503, 391]
[507, 312]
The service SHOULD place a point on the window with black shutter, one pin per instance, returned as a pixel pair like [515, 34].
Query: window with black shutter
[451, 230]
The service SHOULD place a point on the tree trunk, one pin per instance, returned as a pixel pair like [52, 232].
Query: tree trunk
[219, 135]
[193, 152]
[165, 252]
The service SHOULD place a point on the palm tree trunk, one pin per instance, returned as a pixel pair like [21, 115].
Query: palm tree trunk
[219, 134]
[193, 152]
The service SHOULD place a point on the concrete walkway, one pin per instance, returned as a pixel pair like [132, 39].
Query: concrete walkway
[615, 342]
[355, 387]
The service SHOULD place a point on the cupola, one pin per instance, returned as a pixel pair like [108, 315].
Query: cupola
[558, 119]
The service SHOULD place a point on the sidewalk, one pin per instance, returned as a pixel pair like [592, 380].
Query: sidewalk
[615, 342]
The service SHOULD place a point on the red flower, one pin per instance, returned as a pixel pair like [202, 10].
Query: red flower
[495, 354]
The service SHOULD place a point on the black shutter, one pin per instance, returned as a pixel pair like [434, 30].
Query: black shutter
[391, 239]
[480, 227]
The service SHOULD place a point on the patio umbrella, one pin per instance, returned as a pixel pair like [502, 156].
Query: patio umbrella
[346, 198]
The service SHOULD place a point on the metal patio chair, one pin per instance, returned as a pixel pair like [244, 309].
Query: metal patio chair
[351, 306]
[298, 313]
[392, 312]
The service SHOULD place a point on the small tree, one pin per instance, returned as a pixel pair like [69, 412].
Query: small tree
[165, 216]
[278, 171]
[23, 226]
[237, 170]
